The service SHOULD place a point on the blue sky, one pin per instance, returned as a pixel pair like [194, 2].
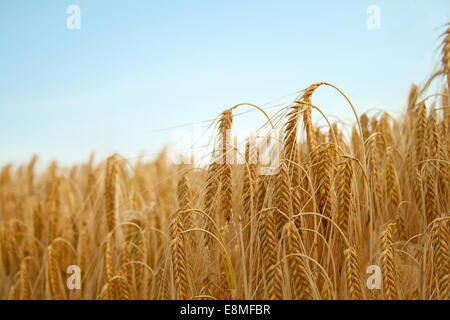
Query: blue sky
[138, 66]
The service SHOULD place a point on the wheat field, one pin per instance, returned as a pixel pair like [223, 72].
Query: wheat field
[343, 204]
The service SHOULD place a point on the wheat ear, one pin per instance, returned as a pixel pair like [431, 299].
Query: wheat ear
[388, 270]
[179, 264]
[212, 179]
[26, 290]
[184, 201]
[225, 124]
[297, 265]
[440, 238]
[111, 192]
[353, 275]
[344, 194]
[109, 268]
[393, 188]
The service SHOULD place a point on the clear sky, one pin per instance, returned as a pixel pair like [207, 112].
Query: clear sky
[137, 66]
